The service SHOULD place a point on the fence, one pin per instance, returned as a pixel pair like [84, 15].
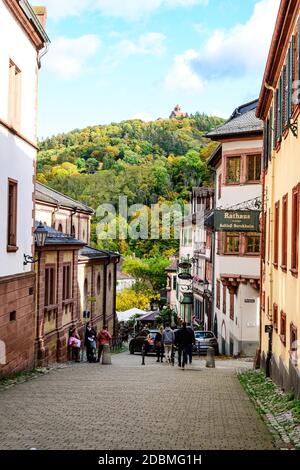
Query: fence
[116, 344]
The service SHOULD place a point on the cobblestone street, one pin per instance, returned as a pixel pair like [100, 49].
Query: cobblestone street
[130, 406]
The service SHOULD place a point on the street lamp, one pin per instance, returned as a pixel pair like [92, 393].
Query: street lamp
[40, 236]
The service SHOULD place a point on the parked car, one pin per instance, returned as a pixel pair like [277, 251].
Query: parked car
[205, 340]
[145, 336]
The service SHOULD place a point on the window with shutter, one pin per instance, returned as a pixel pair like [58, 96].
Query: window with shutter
[282, 105]
[275, 123]
[291, 76]
[270, 135]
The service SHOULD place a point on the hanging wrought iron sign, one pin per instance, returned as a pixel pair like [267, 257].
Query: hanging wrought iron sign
[185, 276]
[237, 221]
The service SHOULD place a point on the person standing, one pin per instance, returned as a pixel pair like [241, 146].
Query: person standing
[90, 342]
[184, 341]
[159, 345]
[74, 344]
[103, 338]
[168, 341]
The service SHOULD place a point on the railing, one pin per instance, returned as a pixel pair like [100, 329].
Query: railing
[116, 344]
[200, 247]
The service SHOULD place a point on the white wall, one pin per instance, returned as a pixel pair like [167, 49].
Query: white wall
[17, 157]
[15, 45]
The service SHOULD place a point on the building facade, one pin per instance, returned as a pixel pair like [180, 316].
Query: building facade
[83, 278]
[23, 42]
[279, 108]
[237, 169]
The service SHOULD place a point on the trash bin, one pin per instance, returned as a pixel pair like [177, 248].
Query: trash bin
[106, 356]
[210, 358]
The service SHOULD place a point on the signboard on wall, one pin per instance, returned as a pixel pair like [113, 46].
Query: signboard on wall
[237, 221]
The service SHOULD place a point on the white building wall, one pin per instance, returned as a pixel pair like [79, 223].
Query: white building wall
[17, 157]
[244, 330]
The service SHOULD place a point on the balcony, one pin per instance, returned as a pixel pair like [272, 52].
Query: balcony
[200, 248]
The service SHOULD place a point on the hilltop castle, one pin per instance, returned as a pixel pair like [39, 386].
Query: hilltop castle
[177, 113]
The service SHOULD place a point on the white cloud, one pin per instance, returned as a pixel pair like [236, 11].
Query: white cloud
[129, 9]
[67, 57]
[236, 52]
[181, 75]
[143, 116]
[146, 44]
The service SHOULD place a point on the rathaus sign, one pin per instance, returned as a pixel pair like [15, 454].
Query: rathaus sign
[236, 221]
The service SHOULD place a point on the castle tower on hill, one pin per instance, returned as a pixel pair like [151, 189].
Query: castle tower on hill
[177, 112]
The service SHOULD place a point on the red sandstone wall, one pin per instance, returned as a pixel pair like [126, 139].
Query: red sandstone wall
[17, 294]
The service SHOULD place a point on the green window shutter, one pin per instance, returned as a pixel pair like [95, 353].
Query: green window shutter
[298, 52]
[286, 72]
[270, 135]
[291, 78]
[275, 120]
[282, 105]
[279, 110]
[266, 142]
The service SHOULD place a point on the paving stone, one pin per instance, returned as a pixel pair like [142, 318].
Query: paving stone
[129, 406]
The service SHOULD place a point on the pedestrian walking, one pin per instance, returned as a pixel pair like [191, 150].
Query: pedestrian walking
[184, 340]
[75, 344]
[103, 338]
[190, 346]
[90, 342]
[158, 341]
[168, 342]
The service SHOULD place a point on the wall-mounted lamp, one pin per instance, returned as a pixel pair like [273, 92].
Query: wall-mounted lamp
[40, 236]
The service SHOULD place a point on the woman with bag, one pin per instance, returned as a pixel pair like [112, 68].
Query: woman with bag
[158, 345]
[75, 344]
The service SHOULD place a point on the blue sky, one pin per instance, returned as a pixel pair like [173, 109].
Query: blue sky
[111, 60]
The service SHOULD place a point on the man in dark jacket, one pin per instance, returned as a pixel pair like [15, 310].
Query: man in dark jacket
[90, 342]
[184, 340]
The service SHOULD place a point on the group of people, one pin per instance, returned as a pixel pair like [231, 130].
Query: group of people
[170, 339]
[94, 342]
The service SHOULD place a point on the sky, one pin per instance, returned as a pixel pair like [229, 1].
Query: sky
[112, 60]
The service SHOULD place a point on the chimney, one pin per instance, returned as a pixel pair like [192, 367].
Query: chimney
[41, 13]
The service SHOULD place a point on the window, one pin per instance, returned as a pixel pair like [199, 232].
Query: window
[220, 186]
[283, 328]
[73, 231]
[174, 282]
[49, 286]
[253, 243]
[109, 281]
[253, 167]
[59, 228]
[12, 215]
[67, 282]
[232, 243]
[263, 300]
[231, 306]
[276, 233]
[284, 233]
[98, 284]
[275, 317]
[14, 99]
[233, 170]
[295, 230]
[224, 299]
[13, 316]
[218, 301]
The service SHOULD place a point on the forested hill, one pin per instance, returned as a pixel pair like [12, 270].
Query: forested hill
[147, 162]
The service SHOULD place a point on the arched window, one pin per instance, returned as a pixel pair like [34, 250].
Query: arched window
[73, 231]
[85, 288]
[59, 228]
[109, 281]
[98, 284]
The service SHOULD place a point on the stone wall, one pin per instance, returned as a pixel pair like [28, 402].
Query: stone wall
[17, 322]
